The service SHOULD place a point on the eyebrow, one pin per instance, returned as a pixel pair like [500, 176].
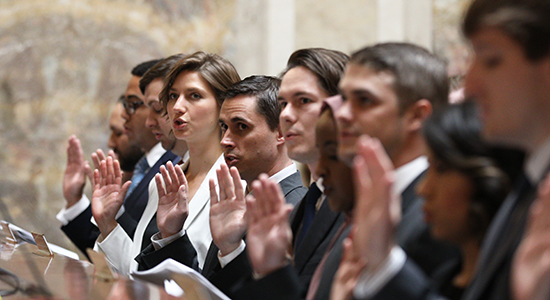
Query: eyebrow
[133, 97]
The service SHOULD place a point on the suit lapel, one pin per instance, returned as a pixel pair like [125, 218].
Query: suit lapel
[502, 238]
[291, 183]
[322, 224]
[136, 202]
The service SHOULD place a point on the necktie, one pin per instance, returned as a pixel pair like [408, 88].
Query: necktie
[309, 212]
[317, 275]
[140, 170]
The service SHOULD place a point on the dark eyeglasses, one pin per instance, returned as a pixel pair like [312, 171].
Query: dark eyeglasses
[131, 106]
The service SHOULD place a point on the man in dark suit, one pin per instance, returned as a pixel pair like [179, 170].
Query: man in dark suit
[311, 76]
[253, 144]
[510, 79]
[76, 217]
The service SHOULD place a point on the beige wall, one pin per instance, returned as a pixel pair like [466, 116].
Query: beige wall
[64, 63]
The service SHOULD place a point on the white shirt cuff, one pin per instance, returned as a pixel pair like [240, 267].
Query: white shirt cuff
[66, 215]
[160, 243]
[224, 260]
[371, 282]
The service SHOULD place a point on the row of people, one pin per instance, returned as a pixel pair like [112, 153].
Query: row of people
[372, 224]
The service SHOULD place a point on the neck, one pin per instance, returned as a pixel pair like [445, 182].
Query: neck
[470, 252]
[202, 155]
[410, 150]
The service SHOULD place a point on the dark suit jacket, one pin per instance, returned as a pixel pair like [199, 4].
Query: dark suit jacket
[182, 250]
[492, 281]
[84, 234]
[412, 234]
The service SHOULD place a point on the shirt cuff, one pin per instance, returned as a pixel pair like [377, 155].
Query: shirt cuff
[66, 215]
[225, 260]
[160, 243]
[371, 282]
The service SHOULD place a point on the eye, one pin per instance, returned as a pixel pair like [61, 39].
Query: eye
[305, 100]
[242, 126]
[333, 157]
[493, 61]
[195, 96]
[282, 103]
[223, 126]
[172, 96]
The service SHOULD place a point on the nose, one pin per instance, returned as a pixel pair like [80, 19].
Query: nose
[344, 114]
[151, 120]
[179, 105]
[322, 168]
[111, 142]
[287, 114]
[227, 141]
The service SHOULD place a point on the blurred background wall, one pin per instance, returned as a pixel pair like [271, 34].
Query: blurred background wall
[63, 64]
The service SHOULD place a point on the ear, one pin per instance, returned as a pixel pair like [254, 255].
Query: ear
[280, 136]
[417, 114]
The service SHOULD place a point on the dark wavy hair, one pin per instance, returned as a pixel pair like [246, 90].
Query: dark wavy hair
[453, 134]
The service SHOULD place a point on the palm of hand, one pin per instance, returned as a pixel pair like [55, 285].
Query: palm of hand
[74, 180]
[227, 221]
[172, 211]
[268, 241]
[106, 202]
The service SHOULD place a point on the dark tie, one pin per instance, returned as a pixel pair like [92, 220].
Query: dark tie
[309, 212]
[140, 170]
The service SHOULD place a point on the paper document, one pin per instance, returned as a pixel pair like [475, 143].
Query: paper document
[194, 285]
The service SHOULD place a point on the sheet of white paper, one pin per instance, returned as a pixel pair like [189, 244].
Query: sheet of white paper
[165, 269]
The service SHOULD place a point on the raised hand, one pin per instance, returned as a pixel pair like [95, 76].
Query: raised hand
[173, 207]
[348, 272]
[269, 237]
[377, 210]
[108, 195]
[74, 178]
[531, 266]
[227, 213]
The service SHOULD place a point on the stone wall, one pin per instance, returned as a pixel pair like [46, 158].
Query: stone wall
[63, 63]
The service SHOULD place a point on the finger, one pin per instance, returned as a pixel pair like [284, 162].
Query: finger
[237, 183]
[100, 154]
[258, 196]
[112, 154]
[123, 191]
[180, 175]
[96, 181]
[117, 171]
[110, 171]
[103, 169]
[160, 187]
[362, 188]
[166, 179]
[183, 199]
[219, 175]
[227, 182]
[252, 212]
[89, 172]
[263, 197]
[175, 184]
[277, 197]
[96, 161]
[213, 193]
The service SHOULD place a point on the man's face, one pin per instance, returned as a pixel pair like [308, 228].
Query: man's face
[127, 154]
[157, 120]
[301, 98]
[134, 125]
[512, 92]
[247, 141]
[370, 107]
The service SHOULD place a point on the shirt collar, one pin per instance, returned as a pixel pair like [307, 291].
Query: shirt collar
[154, 154]
[408, 172]
[284, 173]
[537, 163]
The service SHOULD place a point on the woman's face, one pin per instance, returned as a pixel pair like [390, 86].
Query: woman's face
[448, 194]
[337, 176]
[192, 107]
